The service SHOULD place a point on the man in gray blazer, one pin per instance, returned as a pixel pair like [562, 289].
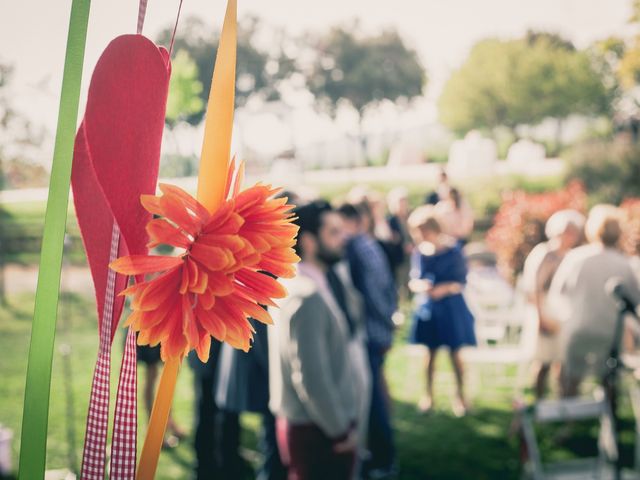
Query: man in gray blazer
[316, 356]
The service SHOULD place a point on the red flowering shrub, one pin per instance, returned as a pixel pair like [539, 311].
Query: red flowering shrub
[519, 224]
[631, 238]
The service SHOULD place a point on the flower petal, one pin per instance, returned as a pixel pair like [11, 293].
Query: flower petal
[162, 232]
[238, 180]
[253, 310]
[174, 210]
[199, 285]
[204, 347]
[189, 327]
[230, 177]
[152, 204]
[191, 203]
[219, 284]
[214, 258]
[261, 284]
[175, 344]
[139, 264]
[159, 290]
[211, 322]
[234, 243]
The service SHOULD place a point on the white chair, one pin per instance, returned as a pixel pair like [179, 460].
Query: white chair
[492, 301]
[571, 410]
[505, 336]
[597, 406]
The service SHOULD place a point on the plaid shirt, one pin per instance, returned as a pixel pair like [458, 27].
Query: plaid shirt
[372, 277]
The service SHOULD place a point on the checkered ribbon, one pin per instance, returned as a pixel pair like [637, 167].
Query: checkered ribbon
[95, 440]
[142, 11]
[123, 444]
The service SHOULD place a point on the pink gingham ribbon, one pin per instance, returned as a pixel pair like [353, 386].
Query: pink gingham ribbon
[123, 447]
[142, 11]
[125, 423]
[95, 440]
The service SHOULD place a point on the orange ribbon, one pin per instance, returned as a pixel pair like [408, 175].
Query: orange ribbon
[212, 179]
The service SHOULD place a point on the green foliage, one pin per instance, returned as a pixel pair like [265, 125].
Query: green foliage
[619, 61]
[609, 170]
[185, 89]
[629, 67]
[437, 156]
[552, 39]
[635, 16]
[515, 82]
[21, 234]
[172, 166]
[252, 75]
[605, 58]
[17, 170]
[364, 70]
[379, 160]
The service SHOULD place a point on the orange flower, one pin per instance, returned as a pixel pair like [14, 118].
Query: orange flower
[219, 280]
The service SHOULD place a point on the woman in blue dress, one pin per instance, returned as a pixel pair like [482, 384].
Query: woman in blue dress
[442, 318]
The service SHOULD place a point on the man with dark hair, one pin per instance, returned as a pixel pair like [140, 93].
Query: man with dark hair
[373, 278]
[315, 386]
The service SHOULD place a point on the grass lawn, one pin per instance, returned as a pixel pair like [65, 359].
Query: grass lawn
[438, 446]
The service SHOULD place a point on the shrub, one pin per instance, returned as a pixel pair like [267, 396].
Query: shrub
[608, 170]
[631, 238]
[519, 223]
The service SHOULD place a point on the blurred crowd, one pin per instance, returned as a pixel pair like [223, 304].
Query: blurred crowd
[316, 377]
[570, 280]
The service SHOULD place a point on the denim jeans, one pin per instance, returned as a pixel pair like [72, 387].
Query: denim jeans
[381, 443]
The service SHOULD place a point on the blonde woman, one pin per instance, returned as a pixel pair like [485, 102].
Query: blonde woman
[442, 318]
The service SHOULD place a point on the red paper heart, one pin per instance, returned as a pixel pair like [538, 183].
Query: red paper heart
[117, 151]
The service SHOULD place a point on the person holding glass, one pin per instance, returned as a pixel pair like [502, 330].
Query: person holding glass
[442, 318]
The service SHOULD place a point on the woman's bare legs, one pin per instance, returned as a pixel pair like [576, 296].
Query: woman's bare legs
[426, 403]
[460, 404]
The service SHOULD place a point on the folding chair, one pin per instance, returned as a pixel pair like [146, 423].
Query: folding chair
[505, 337]
[568, 410]
[599, 406]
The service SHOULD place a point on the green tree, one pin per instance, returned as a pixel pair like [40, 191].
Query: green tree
[628, 67]
[515, 82]
[184, 102]
[606, 55]
[532, 37]
[252, 75]
[18, 141]
[364, 70]
[5, 115]
[608, 170]
[185, 89]
[618, 59]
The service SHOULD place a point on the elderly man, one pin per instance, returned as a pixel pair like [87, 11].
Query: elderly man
[564, 231]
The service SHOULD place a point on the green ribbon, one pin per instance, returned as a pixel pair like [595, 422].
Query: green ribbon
[36, 396]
